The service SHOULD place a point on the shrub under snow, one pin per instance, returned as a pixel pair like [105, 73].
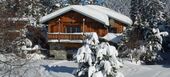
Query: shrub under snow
[97, 59]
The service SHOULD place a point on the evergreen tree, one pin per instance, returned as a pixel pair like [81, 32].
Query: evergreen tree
[154, 18]
[122, 6]
[97, 60]
[148, 17]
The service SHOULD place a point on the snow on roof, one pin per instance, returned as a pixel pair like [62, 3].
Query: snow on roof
[112, 14]
[98, 13]
[115, 38]
[80, 9]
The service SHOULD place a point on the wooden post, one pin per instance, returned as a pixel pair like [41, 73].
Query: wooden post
[59, 29]
[83, 24]
[83, 27]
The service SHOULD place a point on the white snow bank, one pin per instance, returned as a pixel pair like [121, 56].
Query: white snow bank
[35, 56]
[7, 57]
[98, 74]
[2, 57]
[113, 37]
[98, 13]
[92, 38]
[84, 54]
[133, 70]
[36, 47]
[129, 70]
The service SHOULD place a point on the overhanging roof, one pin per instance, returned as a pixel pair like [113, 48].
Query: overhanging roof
[98, 13]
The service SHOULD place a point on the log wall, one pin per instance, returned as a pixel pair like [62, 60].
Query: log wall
[75, 19]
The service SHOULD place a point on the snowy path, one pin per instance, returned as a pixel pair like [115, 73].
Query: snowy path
[54, 68]
[65, 68]
[57, 68]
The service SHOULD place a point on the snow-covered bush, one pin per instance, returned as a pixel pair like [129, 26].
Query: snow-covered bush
[97, 59]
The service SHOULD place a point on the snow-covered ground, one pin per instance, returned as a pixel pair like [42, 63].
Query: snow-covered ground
[134, 70]
[63, 68]
[51, 68]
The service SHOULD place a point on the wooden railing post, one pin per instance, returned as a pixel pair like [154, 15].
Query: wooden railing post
[65, 36]
[59, 29]
[83, 28]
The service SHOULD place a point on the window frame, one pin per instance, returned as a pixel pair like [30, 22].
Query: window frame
[73, 29]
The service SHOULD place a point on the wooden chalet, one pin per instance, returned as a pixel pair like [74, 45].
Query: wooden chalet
[66, 26]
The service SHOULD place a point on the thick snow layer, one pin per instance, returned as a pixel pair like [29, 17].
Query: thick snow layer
[35, 56]
[92, 38]
[67, 41]
[98, 74]
[2, 57]
[112, 37]
[63, 68]
[133, 70]
[36, 47]
[95, 12]
[112, 14]
[80, 9]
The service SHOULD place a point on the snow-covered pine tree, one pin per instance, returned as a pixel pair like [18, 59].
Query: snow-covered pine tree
[121, 6]
[97, 59]
[132, 36]
[136, 12]
[31, 9]
[154, 18]
[148, 16]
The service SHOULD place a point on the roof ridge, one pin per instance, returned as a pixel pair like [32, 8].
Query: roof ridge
[96, 12]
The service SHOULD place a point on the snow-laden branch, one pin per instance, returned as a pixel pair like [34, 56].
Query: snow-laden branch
[97, 59]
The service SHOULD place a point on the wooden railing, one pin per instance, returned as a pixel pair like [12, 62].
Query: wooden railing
[65, 36]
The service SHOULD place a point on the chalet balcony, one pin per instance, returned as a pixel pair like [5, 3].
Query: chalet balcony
[66, 37]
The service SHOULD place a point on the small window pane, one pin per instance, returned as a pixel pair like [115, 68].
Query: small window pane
[73, 29]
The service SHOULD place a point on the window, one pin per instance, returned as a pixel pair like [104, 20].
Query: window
[73, 29]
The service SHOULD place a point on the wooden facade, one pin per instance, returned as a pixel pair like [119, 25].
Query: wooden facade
[68, 26]
[59, 27]
[74, 19]
[116, 26]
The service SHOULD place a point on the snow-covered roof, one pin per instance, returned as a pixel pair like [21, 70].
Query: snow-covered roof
[112, 14]
[115, 38]
[98, 13]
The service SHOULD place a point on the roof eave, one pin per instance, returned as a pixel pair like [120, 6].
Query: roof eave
[45, 19]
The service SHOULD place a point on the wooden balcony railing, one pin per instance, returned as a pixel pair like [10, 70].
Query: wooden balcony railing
[65, 36]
